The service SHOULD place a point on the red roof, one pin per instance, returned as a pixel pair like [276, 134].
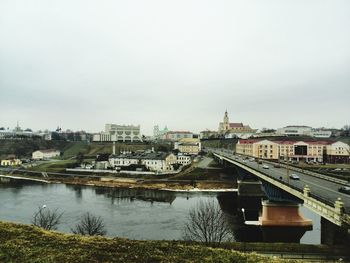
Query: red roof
[307, 142]
[250, 141]
[236, 125]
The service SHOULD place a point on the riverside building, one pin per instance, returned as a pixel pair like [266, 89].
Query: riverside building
[315, 151]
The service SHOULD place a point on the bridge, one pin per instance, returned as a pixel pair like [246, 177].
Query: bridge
[318, 192]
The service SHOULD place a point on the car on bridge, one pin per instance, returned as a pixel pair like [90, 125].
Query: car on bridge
[294, 177]
[344, 189]
[277, 165]
[265, 166]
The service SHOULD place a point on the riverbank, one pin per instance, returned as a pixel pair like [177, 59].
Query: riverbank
[139, 183]
[24, 243]
[152, 184]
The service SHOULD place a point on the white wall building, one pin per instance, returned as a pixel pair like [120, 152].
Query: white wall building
[178, 135]
[153, 161]
[184, 159]
[119, 133]
[304, 131]
[294, 130]
[45, 154]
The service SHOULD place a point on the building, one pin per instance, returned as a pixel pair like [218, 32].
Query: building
[159, 134]
[315, 151]
[45, 154]
[177, 135]
[207, 134]
[184, 159]
[321, 133]
[235, 130]
[296, 130]
[303, 150]
[300, 130]
[11, 162]
[119, 133]
[263, 149]
[151, 160]
[18, 133]
[338, 152]
[190, 146]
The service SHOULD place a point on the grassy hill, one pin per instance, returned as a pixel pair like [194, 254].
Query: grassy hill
[24, 148]
[23, 243]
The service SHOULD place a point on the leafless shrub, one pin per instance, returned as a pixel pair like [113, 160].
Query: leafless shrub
[90, 225]
[47, 219]
[207, 224]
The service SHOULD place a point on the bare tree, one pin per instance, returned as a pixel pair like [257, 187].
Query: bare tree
[47, 219]
[90, 225]
[207, 224]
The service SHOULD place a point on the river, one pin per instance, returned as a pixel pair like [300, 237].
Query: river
[130, 213]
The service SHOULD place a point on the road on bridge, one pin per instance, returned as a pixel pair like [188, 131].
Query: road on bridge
[320, 187]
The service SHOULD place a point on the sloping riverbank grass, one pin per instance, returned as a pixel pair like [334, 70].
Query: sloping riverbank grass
[24, 243]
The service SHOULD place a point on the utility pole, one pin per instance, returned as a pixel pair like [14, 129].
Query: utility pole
[288, 166]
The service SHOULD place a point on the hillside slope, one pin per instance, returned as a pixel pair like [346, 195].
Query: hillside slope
[23, 243]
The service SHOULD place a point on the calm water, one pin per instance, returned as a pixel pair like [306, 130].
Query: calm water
[136, 214]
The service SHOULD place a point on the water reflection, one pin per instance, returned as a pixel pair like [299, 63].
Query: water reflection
[130, 213]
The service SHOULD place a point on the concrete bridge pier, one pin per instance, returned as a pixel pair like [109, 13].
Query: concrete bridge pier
[331, 234]
[283, 222]
[250, 194]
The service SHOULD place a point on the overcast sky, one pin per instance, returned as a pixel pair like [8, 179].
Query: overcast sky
[80, 64]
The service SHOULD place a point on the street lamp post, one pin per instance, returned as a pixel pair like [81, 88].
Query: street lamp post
[243, 212]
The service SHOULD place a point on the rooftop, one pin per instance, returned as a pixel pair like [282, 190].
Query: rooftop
[143, 155]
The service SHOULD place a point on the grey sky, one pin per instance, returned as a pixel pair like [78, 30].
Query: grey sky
[80, 64]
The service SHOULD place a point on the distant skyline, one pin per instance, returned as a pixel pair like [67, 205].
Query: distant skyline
[81, 64]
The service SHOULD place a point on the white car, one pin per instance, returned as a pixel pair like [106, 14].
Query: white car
[294, 177]
[265, 166]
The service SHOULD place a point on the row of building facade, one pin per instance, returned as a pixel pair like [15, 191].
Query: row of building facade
[146, 160]
[229, 129]
[317, 151]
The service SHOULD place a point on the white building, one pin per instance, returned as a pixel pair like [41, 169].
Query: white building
[178, 135]
[321, 133]
[294, 130]
[119, 133]
[304, 131]
[45, 154]
[338, 152]
[152, 161]
[190, 146]
[184, 159]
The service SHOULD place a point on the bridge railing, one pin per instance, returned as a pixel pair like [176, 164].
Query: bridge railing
[284, 182]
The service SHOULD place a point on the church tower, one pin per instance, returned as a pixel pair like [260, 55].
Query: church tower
[226, 121]
[225, 125]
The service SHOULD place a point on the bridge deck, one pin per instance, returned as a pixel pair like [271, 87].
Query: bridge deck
[322, 190]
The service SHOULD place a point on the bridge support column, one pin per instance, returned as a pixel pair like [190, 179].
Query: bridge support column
[332, 234]
[283, 222]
